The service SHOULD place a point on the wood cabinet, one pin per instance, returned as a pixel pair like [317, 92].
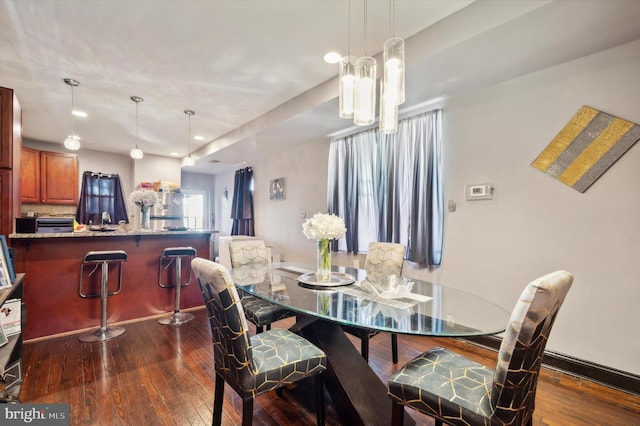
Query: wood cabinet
[10, 144]
[49, 177]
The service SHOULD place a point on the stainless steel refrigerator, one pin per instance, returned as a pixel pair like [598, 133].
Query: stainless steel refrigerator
[168, 213]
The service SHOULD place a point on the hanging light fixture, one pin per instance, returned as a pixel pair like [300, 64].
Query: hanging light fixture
[388, 112]
[347, 77]
[189, 161]
[393, 56]
[72, 142]
[365, 85]
[136, 153]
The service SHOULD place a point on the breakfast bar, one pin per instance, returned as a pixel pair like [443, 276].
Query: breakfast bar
[51, 263]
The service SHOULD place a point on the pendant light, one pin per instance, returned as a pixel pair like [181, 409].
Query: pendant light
[136, 153]
[388, 112]
[189, 161]
[365, 85]
[72, 142]
[347, 77]
[393, 56]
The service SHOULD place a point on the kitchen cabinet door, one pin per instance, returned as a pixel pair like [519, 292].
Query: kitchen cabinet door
[58, 178]
[30, 176]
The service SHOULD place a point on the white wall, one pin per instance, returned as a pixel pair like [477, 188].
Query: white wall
[534, 224]
[279, 222]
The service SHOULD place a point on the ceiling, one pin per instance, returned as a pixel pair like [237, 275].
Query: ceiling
[252, 70]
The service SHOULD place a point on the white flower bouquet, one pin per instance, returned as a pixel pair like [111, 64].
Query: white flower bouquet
[324, 226]
[144, 198]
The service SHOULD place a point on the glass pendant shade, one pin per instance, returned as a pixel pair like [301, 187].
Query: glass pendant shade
[365, 91]
[189, 161]
[393, 57]
[136, 153]
[72, 143]
[388, 112]
[347, 80]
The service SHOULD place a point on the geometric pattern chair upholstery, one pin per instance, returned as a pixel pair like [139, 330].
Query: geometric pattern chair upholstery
[383, 259]
[257, 364]
[260, 312]
[458, 391]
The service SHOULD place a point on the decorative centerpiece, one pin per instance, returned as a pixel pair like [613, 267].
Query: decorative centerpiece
[323, 228]
[145, 199]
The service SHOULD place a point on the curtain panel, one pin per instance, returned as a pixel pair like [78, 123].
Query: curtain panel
[242, 205]
[101, 193]
[389, 188]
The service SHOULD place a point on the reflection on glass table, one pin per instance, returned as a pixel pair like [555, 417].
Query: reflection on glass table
[392, 304]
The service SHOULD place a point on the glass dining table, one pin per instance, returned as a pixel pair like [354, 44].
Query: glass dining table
[382, 303]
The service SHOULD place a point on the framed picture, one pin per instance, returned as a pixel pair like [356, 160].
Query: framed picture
[7, 258]
[3, 337]
[276, 189]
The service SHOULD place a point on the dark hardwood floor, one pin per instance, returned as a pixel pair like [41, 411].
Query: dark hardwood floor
[163, 375]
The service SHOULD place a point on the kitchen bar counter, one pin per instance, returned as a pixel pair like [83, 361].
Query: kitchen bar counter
[52, 261]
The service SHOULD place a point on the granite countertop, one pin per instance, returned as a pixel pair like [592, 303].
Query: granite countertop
[114, 233]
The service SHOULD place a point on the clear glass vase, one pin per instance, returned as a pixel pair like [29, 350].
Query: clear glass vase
[323, 273]
[144, 217]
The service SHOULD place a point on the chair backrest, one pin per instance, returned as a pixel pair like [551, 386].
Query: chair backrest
[516, 374]
[229, 331]
[385, 258]
[245, 252]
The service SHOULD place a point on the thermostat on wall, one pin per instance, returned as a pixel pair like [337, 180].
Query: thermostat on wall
[478, 191]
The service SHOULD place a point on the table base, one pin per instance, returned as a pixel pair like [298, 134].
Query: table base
[358, 394]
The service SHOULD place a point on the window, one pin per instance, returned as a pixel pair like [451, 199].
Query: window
[389, 188]
[101, 193]
[195, 209]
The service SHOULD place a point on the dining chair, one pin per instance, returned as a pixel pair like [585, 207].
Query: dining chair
[257, 364]
[383, 259]
[457, 391]
[260, 312]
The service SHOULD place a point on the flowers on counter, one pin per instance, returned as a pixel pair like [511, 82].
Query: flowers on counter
[144, 198]
[323, 226]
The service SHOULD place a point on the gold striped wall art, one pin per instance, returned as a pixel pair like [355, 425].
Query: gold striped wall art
[586, 147]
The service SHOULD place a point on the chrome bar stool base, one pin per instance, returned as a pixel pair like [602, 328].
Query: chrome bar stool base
[102, 259]
[177, 318]
[102, 334]
[175, 254]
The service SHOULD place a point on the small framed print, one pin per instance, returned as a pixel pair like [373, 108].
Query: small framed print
[6, 257]
[3, 337]
[277, 189]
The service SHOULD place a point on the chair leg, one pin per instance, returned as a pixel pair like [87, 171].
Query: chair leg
[320, 398]
[364, 348]
[247, 411]
[397, 414]
[217, 401]
[259, 329]
[438, 422]
[268, 326]
[394, 348]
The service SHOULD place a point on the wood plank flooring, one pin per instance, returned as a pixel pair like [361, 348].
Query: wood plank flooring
[163, 375]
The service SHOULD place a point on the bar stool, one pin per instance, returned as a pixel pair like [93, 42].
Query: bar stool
[170, 255]
[103, 258]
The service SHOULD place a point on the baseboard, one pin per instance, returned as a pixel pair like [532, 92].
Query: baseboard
[618, 379]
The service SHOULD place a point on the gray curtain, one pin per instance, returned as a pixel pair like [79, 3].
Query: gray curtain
[389, 187]
[242, 205]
